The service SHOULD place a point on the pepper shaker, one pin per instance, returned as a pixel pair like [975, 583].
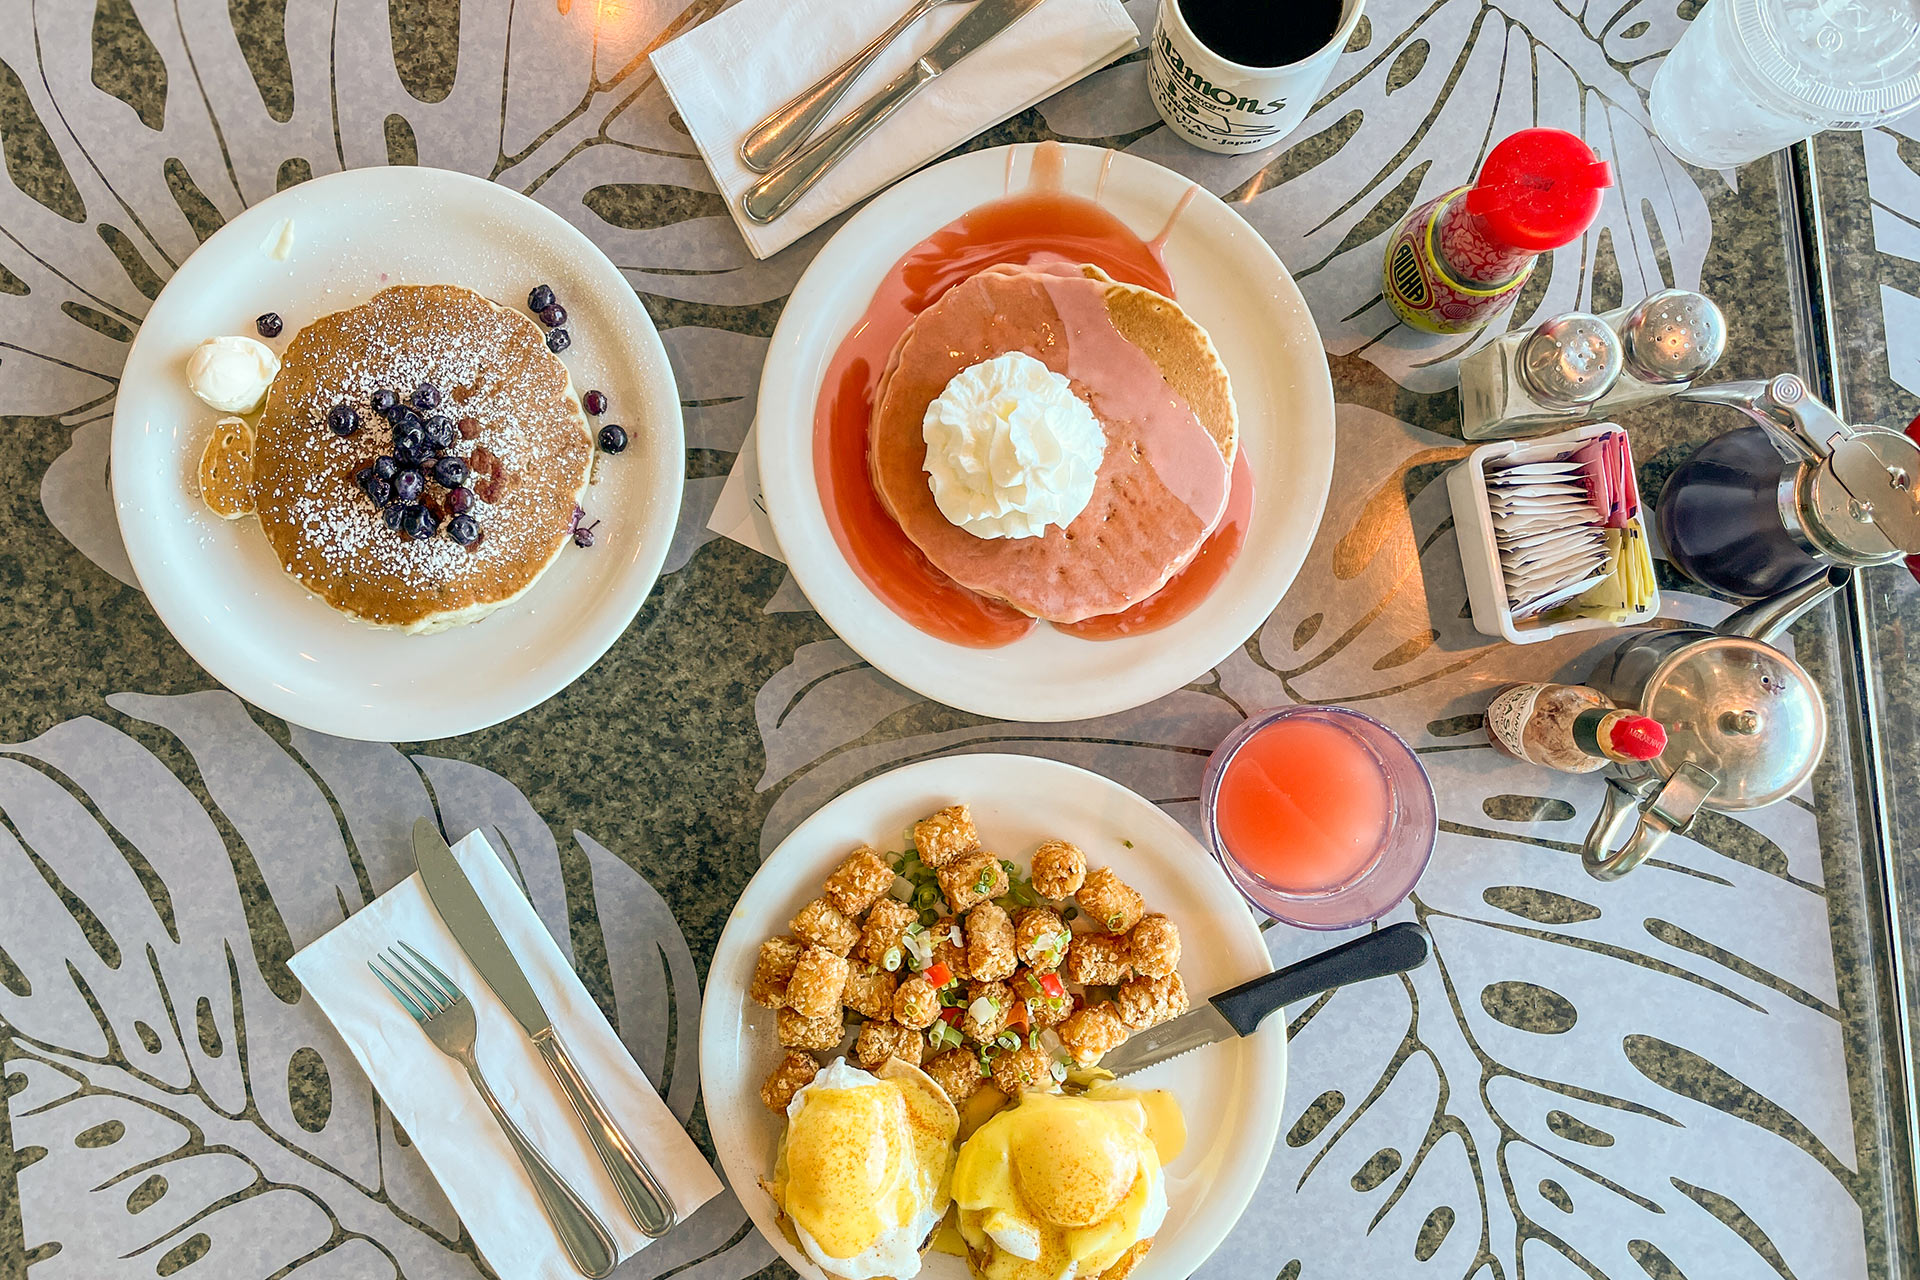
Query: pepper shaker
[1527, 383]
[1667, 341]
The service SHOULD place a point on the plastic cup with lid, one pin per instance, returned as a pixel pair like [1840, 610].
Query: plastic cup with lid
[1752, 76]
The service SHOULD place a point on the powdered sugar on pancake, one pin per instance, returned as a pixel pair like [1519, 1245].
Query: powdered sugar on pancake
[490, 364]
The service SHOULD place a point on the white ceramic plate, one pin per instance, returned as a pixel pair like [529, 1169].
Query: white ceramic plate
[1227, 278]
[1231, 1093]
[218, 585]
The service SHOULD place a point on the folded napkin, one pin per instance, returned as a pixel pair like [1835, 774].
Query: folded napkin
[431, 1098]
[732, 71]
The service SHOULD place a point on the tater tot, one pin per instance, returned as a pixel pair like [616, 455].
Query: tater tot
[1153, 946]
[790, 1075]
[950, 947]
[990, 943]
[869, 992]
[1109, 902]
[1092, 1031]
[944, 836]
[886, 927]
[957, 1072]
[797, 1032]
[1059, 869]
[916, 1004]
[1043, 1010]
[1024, 1069]
[988, 1005]
[1147, 1002]
[859, 882]
[1096, 960]
[819, 979]
[879, 1041]
[1040, 938]
[772, 970]
[821, 923]
[972, 879]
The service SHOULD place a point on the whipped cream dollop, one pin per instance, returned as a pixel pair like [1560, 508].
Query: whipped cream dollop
[1010, 449]
[232, 374]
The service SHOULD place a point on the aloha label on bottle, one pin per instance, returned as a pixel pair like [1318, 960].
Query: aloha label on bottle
[1419, 288]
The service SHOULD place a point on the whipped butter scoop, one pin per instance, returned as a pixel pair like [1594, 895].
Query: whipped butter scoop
[232, 374]
[1011, 449]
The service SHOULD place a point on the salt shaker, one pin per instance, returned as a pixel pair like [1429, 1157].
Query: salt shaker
[1667, 341]
[1527, 383]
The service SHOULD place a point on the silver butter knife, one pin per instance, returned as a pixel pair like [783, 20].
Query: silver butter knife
[780, 134]
[775, 193]
[466, 918]
[1239, 1012]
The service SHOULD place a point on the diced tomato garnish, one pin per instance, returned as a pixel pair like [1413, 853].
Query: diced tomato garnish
[1051, 985]
[1018, 1018]
[937, 975]
[952, 1017]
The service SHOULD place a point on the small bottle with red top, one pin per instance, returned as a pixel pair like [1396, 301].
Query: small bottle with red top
[1459, 260]
[1570, 727]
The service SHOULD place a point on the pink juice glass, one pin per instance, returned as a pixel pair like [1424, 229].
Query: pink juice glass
[1323, 817]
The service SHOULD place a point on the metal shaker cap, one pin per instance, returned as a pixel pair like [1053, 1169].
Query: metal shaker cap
[1865, 497]
[1673, 337]
[1570, 361]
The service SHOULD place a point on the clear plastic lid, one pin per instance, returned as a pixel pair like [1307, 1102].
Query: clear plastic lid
[1853, 62]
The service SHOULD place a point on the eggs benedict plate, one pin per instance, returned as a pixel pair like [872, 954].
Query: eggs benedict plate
[1155, 1216]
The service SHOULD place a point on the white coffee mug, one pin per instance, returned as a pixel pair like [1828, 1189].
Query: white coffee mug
[1227, 106]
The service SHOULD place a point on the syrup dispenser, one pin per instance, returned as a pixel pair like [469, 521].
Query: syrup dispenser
[1761, 509]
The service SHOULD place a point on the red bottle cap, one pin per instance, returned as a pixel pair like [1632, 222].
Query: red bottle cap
[1637, 737]
[1539, 189]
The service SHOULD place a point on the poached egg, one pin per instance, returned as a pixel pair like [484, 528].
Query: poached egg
[1058, 1186]
[864, 1168]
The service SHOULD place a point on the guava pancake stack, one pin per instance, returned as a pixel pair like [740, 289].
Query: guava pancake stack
[1155, 385]
[506, 459]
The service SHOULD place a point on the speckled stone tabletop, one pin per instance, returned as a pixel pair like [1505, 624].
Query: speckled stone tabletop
[1698, 1071]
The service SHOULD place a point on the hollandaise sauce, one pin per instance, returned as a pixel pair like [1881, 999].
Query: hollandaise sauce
[863, 1169]
[1059, 1181]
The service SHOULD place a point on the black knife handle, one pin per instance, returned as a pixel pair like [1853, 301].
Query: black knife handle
[1394, 949]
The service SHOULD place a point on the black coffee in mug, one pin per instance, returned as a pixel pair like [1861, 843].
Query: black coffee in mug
[1263, 33]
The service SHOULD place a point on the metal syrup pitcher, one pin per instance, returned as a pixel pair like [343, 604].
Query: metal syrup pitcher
[1762, 509]
[1745, 724]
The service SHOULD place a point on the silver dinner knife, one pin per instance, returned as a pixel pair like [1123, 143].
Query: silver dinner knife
[466, 918]
[1239, 1012]
[775, 193]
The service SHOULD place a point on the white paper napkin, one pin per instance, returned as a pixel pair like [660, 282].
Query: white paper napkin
[431, 1098]
[729, 73]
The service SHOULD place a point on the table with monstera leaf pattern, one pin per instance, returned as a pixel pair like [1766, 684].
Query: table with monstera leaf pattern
[1698, 1071]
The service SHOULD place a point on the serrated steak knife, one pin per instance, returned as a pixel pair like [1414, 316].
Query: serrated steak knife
[1394, 949]
[466, 918]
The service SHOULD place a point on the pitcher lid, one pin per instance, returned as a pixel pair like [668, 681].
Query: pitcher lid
[1743, 711]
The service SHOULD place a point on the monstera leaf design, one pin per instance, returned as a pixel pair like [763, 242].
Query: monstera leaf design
[1598, 1080]
[173, 1094]
[1893, 175]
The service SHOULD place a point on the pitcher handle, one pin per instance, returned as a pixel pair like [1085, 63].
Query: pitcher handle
[1671, 808]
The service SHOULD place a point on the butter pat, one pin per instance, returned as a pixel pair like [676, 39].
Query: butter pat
[1011, 449]
[232, 374]
[279, 242]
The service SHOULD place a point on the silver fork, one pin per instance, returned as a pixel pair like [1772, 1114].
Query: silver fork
[780, 134]
[447, 1017]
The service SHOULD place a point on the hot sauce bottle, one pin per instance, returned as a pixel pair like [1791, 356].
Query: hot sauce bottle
[1460, 260]
[1570, 727]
